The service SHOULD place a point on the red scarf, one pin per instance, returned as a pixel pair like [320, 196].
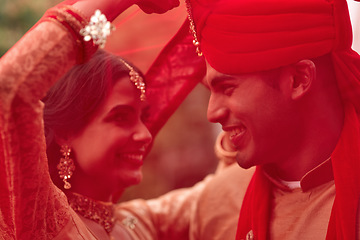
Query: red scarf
[255, 210]
[172, 76]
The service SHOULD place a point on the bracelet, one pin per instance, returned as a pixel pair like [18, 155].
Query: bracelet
[228, 157]
[72, 21]
[98, 29]
[82, 31]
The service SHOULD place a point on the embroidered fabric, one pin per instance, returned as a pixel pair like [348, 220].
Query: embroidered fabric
[99, 212]
[72, 21]
[31, 206]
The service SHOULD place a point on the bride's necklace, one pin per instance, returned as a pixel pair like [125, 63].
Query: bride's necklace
[97, 211]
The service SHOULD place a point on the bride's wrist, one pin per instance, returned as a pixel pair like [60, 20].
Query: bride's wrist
[111, 9]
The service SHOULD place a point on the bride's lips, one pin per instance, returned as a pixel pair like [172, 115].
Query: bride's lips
[134, 159]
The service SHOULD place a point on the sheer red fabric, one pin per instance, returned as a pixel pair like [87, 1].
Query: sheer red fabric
[172, 76]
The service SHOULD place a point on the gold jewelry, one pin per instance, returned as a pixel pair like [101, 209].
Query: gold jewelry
[97, 211]
[98, 29]
[192, 28]
[136, 79]
[130, 222]
[66, 166]
[228, 157]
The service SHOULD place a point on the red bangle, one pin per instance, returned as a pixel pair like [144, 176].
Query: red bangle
[73, 22]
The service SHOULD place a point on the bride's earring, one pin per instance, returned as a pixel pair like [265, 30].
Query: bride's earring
[66, 166]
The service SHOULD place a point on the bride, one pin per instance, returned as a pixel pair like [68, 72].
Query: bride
[105, 90]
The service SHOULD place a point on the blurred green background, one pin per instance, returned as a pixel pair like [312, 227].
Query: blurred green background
[16, 17]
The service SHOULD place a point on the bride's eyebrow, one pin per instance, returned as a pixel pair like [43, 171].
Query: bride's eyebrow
[118, 109]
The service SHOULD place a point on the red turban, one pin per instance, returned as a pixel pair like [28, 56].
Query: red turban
[256, 35]
[243, 36]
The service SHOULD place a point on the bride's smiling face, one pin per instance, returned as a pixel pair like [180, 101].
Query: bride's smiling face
[111, 147]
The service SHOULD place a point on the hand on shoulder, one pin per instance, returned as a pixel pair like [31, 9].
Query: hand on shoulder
[113, 8]
[157, 6]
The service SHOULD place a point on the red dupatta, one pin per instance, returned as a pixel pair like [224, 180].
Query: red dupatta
[172, 76]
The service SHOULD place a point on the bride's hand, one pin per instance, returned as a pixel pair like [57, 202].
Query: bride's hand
[113, 8]
[157, 6]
